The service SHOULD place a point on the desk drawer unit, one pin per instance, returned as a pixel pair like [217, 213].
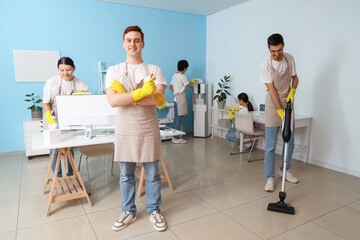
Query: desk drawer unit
[31, 127]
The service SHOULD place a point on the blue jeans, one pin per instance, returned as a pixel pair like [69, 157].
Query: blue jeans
[59, 173]
[177, 120]
[127, 186]
[271, 135]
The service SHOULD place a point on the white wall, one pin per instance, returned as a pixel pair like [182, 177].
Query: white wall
[324, 38]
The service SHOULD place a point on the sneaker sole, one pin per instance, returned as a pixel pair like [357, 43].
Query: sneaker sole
[121, 228]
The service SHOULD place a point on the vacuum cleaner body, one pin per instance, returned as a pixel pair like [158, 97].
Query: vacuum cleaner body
[281, 206]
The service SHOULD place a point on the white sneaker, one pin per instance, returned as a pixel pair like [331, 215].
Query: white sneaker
[158, 220]
[270, 185]
[180, 140]
[124, 219]
[289, 176]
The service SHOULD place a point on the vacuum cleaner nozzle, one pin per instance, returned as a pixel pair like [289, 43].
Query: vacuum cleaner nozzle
[281, 207]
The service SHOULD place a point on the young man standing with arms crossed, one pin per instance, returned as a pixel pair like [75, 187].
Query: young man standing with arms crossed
[129, 86]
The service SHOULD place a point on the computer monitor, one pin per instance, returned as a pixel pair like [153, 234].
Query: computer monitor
[85, 112]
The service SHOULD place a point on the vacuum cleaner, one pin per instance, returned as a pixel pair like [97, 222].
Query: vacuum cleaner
[281, 206]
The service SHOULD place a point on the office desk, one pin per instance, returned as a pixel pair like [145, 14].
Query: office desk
[68, 188]
[259, 117]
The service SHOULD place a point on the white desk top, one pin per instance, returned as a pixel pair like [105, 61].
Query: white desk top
[76, 138]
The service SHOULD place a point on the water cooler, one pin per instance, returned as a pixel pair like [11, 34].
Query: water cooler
[202, 99]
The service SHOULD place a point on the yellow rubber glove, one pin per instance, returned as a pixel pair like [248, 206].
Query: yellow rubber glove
[49, 118]
[291, 95]
[193, 80]
[231, 115]
[280, 112]
[159, 99]
[236, 109]
[148, 89]
[80, 91]
[117, 87]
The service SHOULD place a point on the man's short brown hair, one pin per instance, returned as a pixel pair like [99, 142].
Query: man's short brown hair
[134, 28]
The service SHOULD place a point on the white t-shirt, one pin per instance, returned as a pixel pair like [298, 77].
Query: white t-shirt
[280, 66]
[52, 85]
[179, 82]
[244, 110]
[135, 72]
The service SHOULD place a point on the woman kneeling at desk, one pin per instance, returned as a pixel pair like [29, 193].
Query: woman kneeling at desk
[63, 84]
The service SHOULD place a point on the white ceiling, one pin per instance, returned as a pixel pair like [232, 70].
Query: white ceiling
[199, 7]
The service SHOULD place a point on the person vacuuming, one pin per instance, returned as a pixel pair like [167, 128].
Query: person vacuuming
[281, 206]
[278, 73]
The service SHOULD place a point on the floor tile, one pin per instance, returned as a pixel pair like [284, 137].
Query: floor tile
[72, 228]
[33, 212]
[344, 221]
[334, 191]
[165, 235]
[355, 205]
[8, 235]
[346, 179]
[308, 231]
[224, 196]
[10, 179]
[233, 172]
[8, 218]
[183, 207]
[212, 227]
[197, 178]
[265, 224]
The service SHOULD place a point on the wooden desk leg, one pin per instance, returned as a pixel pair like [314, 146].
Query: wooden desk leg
[166, 173]
[76, 171]
[48, 173]
[141, 181]
[53, 183]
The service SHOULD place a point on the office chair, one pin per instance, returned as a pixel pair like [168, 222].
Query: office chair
[244, 124]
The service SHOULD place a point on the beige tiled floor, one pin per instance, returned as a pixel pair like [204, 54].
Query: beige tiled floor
[217, 196]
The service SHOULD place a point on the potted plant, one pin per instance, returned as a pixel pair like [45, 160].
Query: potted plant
[222, 91]
[36, 111]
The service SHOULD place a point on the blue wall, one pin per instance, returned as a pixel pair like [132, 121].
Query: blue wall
[89, 31]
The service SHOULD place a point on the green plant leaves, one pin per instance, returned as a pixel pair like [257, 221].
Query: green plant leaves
[222, 91]
[34, 101]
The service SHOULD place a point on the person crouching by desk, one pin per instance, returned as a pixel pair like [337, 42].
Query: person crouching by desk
[63, 84]
[129, 86]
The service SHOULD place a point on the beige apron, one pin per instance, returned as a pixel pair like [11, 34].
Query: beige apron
[137, 134]
[54, 107]
[181, 104]
[282, 87]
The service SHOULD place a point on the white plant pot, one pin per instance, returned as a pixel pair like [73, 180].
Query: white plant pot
[221, 104]
[36, 115]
